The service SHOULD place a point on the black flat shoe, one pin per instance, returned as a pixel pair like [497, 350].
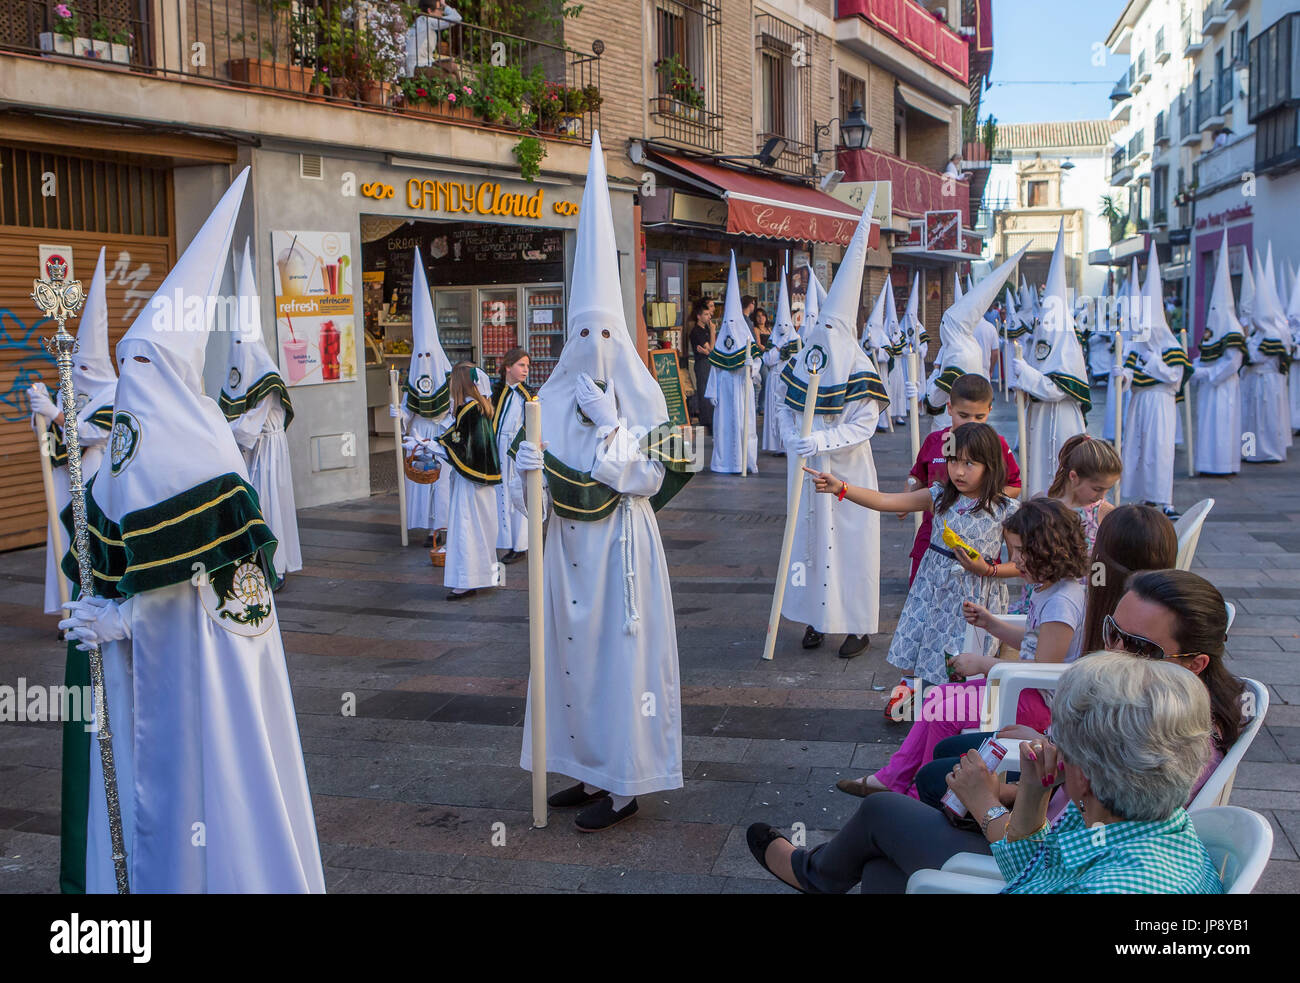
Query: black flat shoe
[854, 645]
[453, 596]
[812, 638]
[575, 795]
[603, 816]
[513, 556]
[759, 836]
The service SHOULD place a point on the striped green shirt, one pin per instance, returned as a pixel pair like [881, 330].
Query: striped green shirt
[1120, 858]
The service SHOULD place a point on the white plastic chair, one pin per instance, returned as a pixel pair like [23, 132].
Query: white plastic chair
[1188, 528]
[1238, 841]
[1218, 786]
[1002, 697]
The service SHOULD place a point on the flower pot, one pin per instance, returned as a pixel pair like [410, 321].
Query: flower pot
[269, 74]
[59, 44]
[571, 126]
[374, 93]
[317, 90]
[453, 110]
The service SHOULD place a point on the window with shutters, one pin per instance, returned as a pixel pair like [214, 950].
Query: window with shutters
[784, 54]
[686, 105]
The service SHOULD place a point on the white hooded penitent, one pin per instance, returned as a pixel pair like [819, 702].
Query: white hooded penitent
[1055, 349]
[251, 375]
[426, 378]
[1222, 329]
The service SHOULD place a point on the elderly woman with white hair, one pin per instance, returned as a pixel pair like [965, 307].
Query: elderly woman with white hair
[1129, 739]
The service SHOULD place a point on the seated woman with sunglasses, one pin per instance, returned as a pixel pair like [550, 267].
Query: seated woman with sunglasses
[1170, 614]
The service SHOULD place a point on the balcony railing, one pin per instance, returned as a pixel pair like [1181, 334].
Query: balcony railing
[325, 50]
[1161, 134]
[917, 189]
[1162, 49]
[1118, 159]
[1136, 145]
[686, 103]
[1205, 106]
[1213, 17]
[1225, 90]
[1143, 73]
[1225, 164]
[1193, 40]
[916, 28]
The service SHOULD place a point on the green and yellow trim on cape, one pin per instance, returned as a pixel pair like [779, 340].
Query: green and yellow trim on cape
[102, 418]
[204, 529]
[432, 407]
[499, 393]
[734, 360]
[234, 407]
[1215, 350]
[577, 495]
[948, 376]
[1019, 332]
[1171, 357]
[1075, 388]
[471, 446]
[833, 399]
[1272, 348]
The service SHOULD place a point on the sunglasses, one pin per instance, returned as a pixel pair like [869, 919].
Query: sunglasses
[1117, 639]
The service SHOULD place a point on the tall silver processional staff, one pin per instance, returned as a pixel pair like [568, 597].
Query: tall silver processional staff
[59, 298]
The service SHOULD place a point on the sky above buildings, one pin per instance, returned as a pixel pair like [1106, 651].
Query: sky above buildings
[1040, 44]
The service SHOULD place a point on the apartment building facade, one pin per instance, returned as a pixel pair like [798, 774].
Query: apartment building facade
[1221, 124]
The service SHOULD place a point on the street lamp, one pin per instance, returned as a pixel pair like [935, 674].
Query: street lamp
[855, 131]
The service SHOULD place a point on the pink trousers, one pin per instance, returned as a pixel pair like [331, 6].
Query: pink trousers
[945, 711]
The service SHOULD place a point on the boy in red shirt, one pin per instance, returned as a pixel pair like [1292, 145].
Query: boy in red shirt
[969, 401]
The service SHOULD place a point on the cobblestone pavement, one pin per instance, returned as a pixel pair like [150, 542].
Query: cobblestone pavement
[407, 791]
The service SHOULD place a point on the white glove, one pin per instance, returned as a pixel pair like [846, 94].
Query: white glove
[94, 621]
[528, 456]
[393, 411]
[1200, 373]
[911, 391]
[803, 446]
[42, 405]
[599, 406]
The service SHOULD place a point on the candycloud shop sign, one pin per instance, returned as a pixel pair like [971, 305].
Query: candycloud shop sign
[482, 198]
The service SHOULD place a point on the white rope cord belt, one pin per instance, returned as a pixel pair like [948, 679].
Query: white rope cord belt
[630, 615]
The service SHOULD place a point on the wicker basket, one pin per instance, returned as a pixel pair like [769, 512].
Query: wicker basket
[439, 556]
[414, 472]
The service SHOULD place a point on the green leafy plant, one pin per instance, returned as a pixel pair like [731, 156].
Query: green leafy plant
[592, 99]
[500, 95]
[529, 152]
[679, 82]
[1117, 220]
[989, 134]
[67, 23]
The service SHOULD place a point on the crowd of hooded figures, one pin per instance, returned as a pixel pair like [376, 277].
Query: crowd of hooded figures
[203, 719]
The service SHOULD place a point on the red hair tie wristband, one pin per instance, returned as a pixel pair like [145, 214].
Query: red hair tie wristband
[844, 490]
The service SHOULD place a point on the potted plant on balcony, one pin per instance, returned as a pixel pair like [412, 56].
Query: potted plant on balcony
[68, 36]
[383, 37]
[529, 151]
[683, 96]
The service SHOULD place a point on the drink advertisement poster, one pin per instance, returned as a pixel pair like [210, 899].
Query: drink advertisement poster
[314, 307]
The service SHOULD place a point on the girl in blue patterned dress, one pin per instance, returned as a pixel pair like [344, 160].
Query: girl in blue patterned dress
[972, 505]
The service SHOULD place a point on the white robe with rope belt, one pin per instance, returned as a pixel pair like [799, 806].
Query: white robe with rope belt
[837, 587]
[613, 696]
[772, 401]
[260, 435]
[1265, 408]
[1218, 415]
[1149, 432]
[426, 505]
[512, 524]
[1052, 418]
[732, 393]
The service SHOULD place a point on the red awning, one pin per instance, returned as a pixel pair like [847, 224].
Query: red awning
[771, 209]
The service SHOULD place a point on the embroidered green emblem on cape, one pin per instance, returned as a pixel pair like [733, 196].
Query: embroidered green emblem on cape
[270, 383]
[577, 495]
[212, 526]
[471, 446]
[431, 406]
[734, 360]
[861, 385]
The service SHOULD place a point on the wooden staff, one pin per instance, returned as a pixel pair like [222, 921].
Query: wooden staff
[401, 463]
[791, 519]
[1118, 383]
[914, 416]
[536, 608]
[1189, 436]
[46, 439]
[1022, 431]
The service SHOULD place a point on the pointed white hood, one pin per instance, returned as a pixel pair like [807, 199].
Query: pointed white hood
[598, 344]
[1055, 350]
[874, 335]
[251, 374]
[1293, 307]
[783, 330]
[1157, 338]
[168, 438]
[831, 348]
[93, 377]
[734, 336]
[1222, 329]
[956, 286]
[912, 328]
[959, 352]
[1246, 303]
[429, 367]
[812, 303]
[1268, 317]
[893, 330]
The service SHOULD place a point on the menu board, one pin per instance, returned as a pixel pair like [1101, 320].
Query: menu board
[314, 308]
[668, 375]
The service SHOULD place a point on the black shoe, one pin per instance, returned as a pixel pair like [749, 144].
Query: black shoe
[575, 795]
[428, 541]
[812, 638]
[603, 816]
[461, 595]
[759, 837]
[512, 556]
[854, 645]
